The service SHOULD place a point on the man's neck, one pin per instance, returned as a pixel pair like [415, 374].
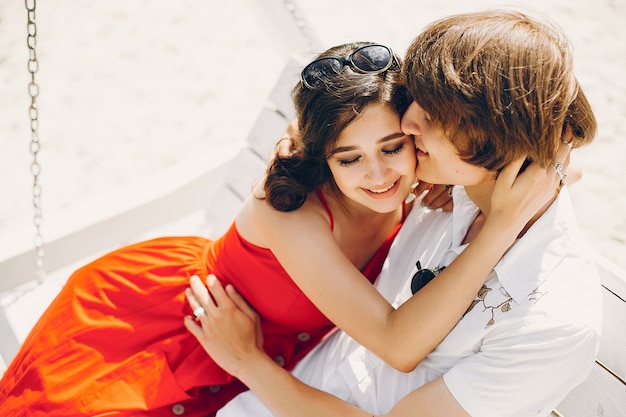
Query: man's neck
[481, 196]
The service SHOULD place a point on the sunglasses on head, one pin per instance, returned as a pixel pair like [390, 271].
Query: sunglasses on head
[369, 59]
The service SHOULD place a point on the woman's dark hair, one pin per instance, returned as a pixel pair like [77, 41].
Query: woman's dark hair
[323, 112]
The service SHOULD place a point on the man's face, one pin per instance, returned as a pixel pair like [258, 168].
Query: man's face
[438, 159]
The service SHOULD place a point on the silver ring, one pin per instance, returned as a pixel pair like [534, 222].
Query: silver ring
[198, 312]
[559, 170]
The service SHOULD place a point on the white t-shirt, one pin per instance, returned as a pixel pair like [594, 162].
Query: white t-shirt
[531, 336]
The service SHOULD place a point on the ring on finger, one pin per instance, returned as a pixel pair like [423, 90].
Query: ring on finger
[559, 170]
[198, 312]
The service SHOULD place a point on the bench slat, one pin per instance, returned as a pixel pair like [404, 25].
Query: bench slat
[266, 132]
[613, 343]
[249, 165]
[600, 395]
[604, 392]
[281, 94]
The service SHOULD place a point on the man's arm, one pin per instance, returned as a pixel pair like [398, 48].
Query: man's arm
[230, 333]
[287, 396]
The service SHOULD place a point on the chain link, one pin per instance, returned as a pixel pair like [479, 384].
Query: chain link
[35, 145]
[290, 5]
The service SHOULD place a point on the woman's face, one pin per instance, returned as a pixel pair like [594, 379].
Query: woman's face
[374, 162]
[438, 161]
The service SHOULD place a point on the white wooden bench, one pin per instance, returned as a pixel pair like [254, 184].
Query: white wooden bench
[218, 192]
[603, 394]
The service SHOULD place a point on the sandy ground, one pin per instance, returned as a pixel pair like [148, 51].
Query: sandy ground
[131, 87]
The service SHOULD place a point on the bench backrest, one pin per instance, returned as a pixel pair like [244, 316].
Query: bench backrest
[249, 165]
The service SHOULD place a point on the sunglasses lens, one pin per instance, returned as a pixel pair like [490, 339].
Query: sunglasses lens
[420, 279]
[372, 58]
[367, 59]
[316, 71]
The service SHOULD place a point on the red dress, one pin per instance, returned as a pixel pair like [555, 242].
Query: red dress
[113, 343]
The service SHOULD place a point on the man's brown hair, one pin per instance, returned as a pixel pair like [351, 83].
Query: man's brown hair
[501, 85]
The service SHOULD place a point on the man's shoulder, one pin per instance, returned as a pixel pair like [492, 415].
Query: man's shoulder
[568, 304]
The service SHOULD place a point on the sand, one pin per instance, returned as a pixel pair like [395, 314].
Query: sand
[128, 88]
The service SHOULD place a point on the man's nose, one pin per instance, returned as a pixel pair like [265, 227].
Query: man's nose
[408, 123]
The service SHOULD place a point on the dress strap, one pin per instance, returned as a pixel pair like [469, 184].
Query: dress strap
[325, 204]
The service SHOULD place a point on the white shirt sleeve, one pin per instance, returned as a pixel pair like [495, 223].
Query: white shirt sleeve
[525, 368]
[245, 404]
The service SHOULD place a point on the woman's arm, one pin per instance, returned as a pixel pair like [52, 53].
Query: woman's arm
[403, 337]
[230, 333]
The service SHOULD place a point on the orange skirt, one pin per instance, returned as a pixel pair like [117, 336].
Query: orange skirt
[113, 342]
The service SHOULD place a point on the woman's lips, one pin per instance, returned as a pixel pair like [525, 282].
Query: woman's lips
[383, 192]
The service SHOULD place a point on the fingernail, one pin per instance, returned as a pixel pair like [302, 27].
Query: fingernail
[211, 279]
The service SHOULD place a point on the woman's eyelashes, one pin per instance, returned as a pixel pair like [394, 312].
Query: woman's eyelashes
[348, 162]
[393, 151]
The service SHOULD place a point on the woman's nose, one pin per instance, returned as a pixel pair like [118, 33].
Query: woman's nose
[378, 170]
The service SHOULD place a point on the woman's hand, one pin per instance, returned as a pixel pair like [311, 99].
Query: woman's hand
[229, 329]
[521, 197]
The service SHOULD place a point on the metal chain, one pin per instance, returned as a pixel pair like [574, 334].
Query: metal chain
[290, 5]
[35, 146]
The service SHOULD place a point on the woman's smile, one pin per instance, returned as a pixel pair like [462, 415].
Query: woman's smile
[383, 192]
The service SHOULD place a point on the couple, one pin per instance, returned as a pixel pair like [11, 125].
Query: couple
[113, 342]
[486, 87]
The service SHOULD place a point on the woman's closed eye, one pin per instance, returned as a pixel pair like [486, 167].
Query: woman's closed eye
[387, 152]
[348, 162]
[395, 150]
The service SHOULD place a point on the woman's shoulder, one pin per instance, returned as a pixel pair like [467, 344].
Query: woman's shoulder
[257, 218]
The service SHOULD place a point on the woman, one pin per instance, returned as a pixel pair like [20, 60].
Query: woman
[113, 341]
